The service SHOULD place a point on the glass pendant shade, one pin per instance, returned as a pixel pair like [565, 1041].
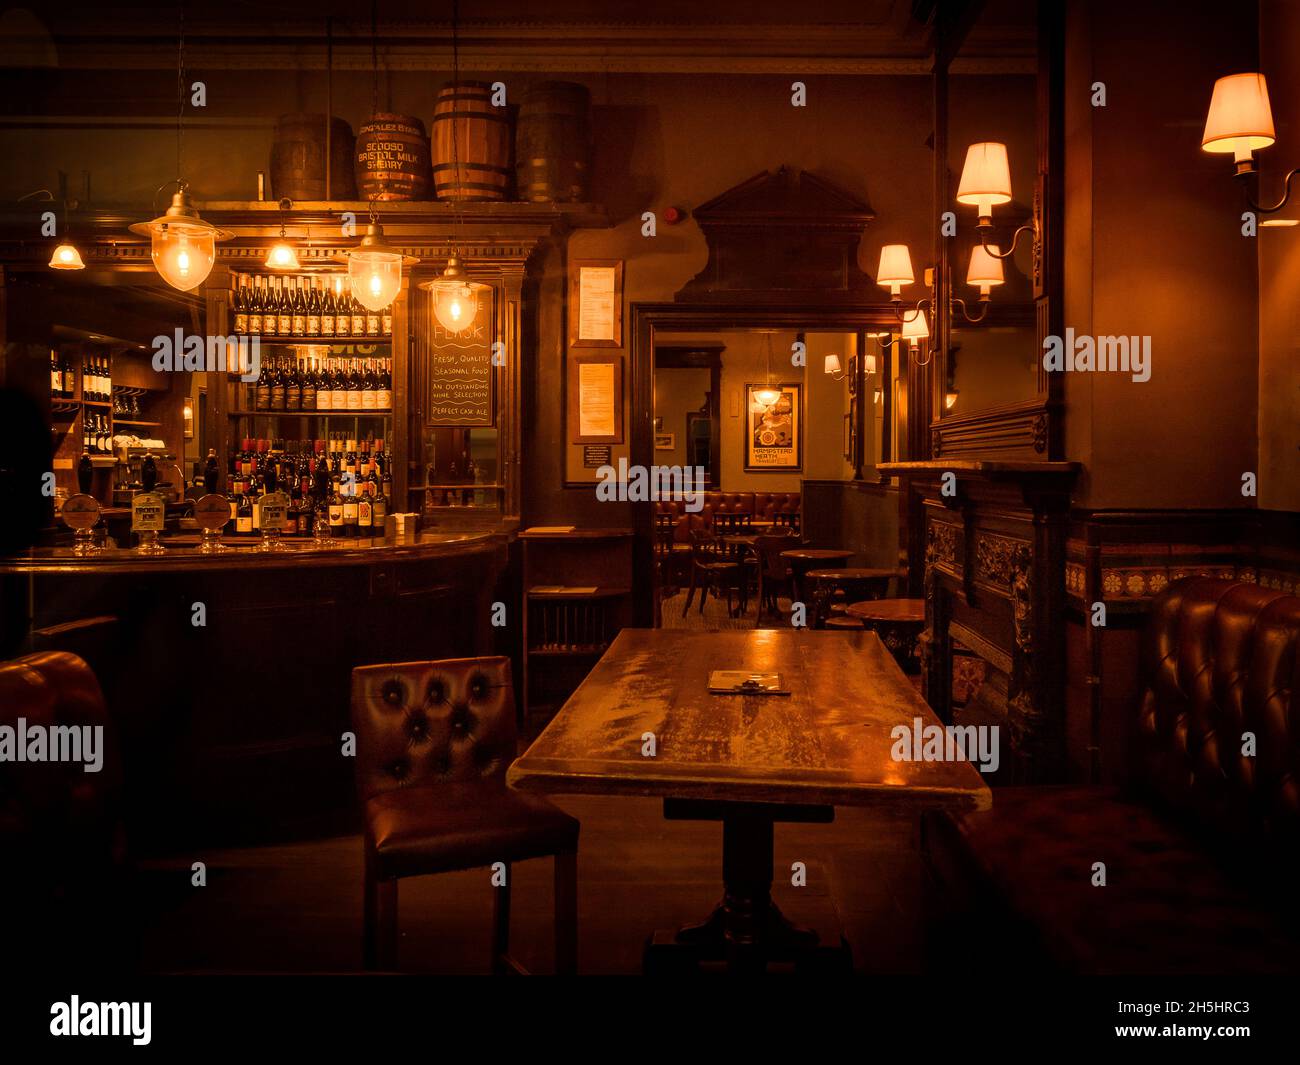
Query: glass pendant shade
[915, 327]
[985, 178]
[767, 396]
[1240, 119]
[66, 257]
[282, 256]
[832, 364]
[183, 246]
[455, 297]
[984, 270]
[375, 269]
[895, 269]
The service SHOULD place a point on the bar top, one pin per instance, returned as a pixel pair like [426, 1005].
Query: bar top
[182, 554]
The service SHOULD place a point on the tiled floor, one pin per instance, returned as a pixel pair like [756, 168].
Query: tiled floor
[296, 907]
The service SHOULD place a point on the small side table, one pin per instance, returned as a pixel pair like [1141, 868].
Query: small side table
[898, 623]
[857, 582]
[803, 559]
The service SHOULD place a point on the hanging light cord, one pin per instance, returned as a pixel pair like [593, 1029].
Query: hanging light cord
[455, 135]
[374, 57]
[180, 92]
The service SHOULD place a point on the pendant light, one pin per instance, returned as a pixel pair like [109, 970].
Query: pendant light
[375, 266]
[65, 256]
[455, 296]
[769, 395]
[183, 245]
[282, 255]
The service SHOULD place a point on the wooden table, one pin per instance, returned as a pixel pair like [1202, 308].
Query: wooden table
[898, 622]
[858, 583]
[746, 760]
[803, 559]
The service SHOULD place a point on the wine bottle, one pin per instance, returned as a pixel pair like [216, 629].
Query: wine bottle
[148, 472]
[309, 384]
[356, 386]
[386, 321]
[211, 472]
[384, 396]
[358, 313]
[244, 513]
[297, 307]
[239, 305]
[327, 311]
[293, 386]
[277, 385]
[342, 315]
[283, 311]
[313, 308]
[372, 322]
[56, 375]
[69, 379]
[255, 308]
[262, 390]
[369, 387]
[85, 471]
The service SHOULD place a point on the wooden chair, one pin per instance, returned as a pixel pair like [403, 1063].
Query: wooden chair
[434, 740]
[774, 574]
[712, 568]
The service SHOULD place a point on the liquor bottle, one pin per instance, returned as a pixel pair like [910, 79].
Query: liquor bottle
[69, 379]
[372, 480]
[349, 510]
[365, 513]
[327, 311]
[262, 391]
[255, 308]
[384, 394]
[309, 385]
[297, 307]
[85, 471]
[211, 473]
[369, 387]
[313, 307]
[355, 386]
[358, 313]
[293, 386]
[244, 513]
[239, 305]
[98, 366]
[277, 386]
[342, 315]
[283, 309]
[336, 510]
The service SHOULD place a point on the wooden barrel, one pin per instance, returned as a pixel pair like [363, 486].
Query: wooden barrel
[392, 158]
[298, 159]
[553, 144]
[482, 144]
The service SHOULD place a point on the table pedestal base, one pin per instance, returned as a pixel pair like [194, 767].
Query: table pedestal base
[746, 930]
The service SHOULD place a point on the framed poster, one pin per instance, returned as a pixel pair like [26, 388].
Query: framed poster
[596, 303]
[595, 388]
[853, 375]
[774, 435]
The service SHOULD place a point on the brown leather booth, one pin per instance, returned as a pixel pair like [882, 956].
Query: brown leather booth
[781, 507]
[1199, 851]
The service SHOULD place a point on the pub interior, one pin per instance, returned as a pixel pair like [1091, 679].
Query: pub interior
[660, 488]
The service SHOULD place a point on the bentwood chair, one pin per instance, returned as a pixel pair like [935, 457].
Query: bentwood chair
[712, 568]
[774, 573]
[434, 740]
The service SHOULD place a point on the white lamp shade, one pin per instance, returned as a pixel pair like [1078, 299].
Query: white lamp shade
[895, 266]
[1240, 119]
[66, 257]
[375, 278]
[832, 364]
[282, 257]
[455, 302]
[869, 363]
[767, 396]
[986, 177]
[183, 254]
[915, 327]
[984, 269]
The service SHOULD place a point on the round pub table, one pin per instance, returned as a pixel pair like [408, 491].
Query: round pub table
[858, 583]
[803, 559]
[898, 623]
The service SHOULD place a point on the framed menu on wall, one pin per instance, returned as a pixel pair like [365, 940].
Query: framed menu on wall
[595, 388]
[596, 303]
[460, 379]
[774, 434]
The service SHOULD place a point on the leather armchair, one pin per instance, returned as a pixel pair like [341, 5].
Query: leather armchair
[434, 740]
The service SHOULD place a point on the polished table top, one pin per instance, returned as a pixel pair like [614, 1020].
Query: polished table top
[816, 554]
[856, 573]
[912, 610]
[828, 742]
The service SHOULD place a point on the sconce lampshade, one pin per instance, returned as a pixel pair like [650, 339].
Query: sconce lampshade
[1240, 119]
[832, 364]
[895, 268]
[984, 270]
[950, 399]
[915, 327]
[66, 257]
[868, 364]
[986, 177]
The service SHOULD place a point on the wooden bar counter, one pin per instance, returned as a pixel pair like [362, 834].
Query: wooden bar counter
[228, 674]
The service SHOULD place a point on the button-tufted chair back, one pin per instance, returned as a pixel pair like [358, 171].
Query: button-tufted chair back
[1220, 660]
[432, 722]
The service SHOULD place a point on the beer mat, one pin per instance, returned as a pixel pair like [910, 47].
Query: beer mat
[742, 682]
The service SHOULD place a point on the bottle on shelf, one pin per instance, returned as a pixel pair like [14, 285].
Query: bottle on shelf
[355, 386]
[69, 379]
[373, 324]
[256, 305]
[358, 316]
[239, 304]
[283, 309]
[297, 306]
[342, 313]
[262, 390]
[277, 386]
[369, 386]
[85, 471]
[327, 311]
[211, 472]
[56, 375]
[309, 385]
[293, 385]
[384, 391]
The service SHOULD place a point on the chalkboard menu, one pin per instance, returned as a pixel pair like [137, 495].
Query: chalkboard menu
[460, 376]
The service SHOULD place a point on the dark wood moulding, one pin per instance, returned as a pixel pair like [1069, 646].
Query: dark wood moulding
[228, 675]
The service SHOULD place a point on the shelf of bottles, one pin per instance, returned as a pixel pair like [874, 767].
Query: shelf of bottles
[93, 401]
[309, 308]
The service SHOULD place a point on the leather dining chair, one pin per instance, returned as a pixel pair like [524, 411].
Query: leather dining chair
[434, 740]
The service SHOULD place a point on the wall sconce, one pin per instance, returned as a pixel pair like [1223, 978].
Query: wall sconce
[984, 271]
[916, 329]
[950, 398]
[986, 183]
[1240, 121]
[831, 365]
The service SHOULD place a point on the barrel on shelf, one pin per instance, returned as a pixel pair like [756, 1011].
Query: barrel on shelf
[392, 158]
[553, 144]
[298, 159]
[482, 170]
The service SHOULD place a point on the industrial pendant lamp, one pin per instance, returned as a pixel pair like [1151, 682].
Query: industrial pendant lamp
[282, 255]
[455, 296]
[183, 245]
[375, 267]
